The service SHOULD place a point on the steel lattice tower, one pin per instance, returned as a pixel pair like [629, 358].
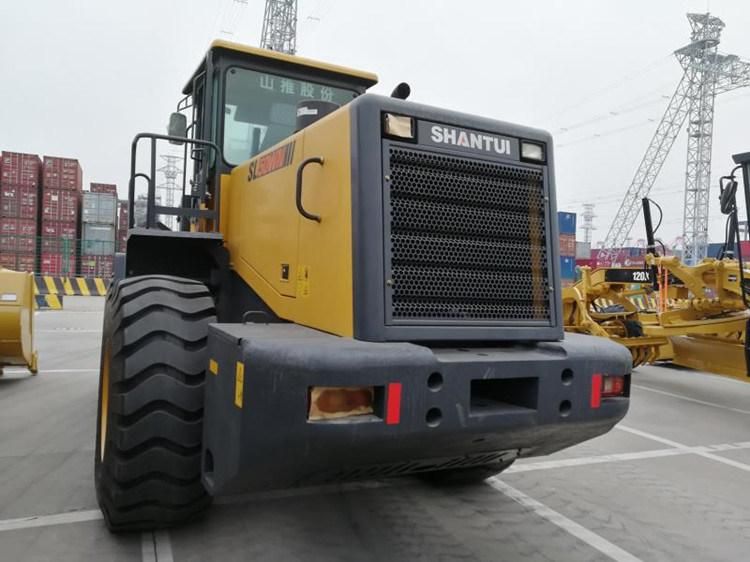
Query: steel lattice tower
[706, 74]
[588, 221]
[171, 171]
[280, 26]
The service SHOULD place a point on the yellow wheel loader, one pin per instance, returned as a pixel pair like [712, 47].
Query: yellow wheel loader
[354, 286]
[17, 320]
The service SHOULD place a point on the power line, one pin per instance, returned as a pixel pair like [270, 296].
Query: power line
[619, 82]
[607, 133]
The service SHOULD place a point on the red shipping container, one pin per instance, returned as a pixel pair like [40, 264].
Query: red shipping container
[26, 236]
[60, 205]
[581, 262]
[58, 237]
[18, 235]
[8, 260]
[62, 173]
[18, 262]
[26, 262]
[18, 201]
[745, 249]
[122, 227]
[20, 169]
[58, 264]
[96, 266]
[8, 226]
[122, 215]
[103, 188]
[567, 244]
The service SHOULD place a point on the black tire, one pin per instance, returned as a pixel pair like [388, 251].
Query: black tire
[464, 476]
[149, 423]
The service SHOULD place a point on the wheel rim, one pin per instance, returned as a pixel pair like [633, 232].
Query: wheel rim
[104, 406]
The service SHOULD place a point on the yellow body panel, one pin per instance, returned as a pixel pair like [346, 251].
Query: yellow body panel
[17, 319]
[302, 269]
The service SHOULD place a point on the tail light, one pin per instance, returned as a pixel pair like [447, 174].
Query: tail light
[607, 386]
[613, 385]
[336, 402]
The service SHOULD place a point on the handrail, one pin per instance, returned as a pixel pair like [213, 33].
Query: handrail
[151, 209]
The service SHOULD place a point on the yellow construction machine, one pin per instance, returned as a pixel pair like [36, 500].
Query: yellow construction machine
[610, 303]
[703, 315]
[692, 315]
[356, 286]
[17, 320]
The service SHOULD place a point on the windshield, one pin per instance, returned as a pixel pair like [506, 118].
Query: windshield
[261, 109]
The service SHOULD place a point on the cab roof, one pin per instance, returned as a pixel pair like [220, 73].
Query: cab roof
[362, 78]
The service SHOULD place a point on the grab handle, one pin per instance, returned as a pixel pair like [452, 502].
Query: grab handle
[300, 208]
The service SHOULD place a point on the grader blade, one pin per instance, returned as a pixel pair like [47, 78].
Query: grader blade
[718, 355]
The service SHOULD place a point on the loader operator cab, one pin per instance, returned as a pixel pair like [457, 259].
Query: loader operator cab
[245, 100]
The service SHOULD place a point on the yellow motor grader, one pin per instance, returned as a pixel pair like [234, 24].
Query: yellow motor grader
[609, 302]
[17, 320]
[695, 316]
[703, 314]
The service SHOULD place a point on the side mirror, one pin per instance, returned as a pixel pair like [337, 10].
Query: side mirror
[177, 126]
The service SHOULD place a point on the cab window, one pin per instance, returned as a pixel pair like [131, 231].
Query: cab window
[260, 109]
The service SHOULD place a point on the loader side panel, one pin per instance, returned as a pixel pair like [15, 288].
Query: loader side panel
[302, 269]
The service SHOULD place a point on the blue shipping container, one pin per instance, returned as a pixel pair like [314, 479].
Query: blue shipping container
[567, 267]
[566, 222]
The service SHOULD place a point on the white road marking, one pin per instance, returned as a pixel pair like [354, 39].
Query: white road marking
[624, 457]
[579, 531]
[582, 461]
[47, 371]
[148, 548]
[156, 547]
[688, 399]
[68, 331]
[675, 444]
[63, 311]
[48, 520]
[163, 546]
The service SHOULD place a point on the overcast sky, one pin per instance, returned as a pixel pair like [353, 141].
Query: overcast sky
[81, 78]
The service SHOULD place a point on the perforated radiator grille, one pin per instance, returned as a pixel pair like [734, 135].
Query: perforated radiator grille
[467, 239]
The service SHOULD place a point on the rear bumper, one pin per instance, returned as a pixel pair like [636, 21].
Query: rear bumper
[493, 404]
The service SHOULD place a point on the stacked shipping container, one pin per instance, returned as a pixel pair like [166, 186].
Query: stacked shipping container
[61, 197]
[99, 218]
[567, 225]
[122, 226]
[19, 203]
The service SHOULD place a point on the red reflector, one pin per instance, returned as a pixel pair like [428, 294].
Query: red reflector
[393, 404]
[596, 391]
[613, 386]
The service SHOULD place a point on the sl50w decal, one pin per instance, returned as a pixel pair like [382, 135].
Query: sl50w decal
[275, 160]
